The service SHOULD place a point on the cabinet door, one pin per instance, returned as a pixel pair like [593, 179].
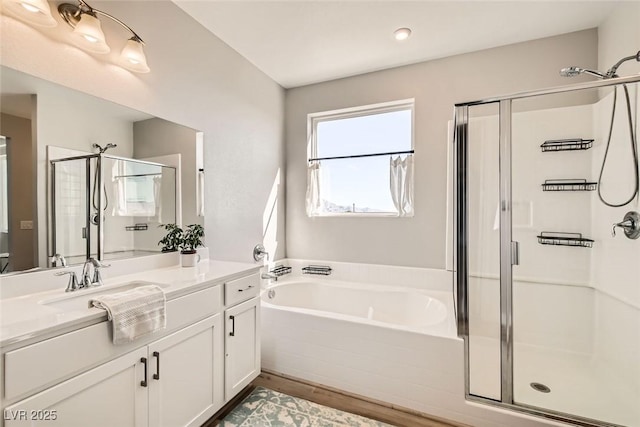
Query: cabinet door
[106, 396]
[186, 375]
[242, 346]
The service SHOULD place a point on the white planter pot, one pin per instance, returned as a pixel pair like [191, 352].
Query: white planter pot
[189, 260]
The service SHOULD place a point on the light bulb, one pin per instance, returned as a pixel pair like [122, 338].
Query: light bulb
[402, 33]
[133, 57]
[30, 7]
[89, 36]
[36, 12]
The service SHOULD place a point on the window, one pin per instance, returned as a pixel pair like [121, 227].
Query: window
[361, 161]
[137, 187]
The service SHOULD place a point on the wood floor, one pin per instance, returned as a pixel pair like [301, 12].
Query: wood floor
[335, 399]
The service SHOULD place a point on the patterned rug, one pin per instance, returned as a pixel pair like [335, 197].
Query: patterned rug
[268, 408]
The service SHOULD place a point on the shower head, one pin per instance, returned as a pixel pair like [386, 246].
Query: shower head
[611, 73]
[106, 147]
[575, 71]
[570, 72]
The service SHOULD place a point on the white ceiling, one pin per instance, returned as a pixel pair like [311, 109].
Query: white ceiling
[299, 42]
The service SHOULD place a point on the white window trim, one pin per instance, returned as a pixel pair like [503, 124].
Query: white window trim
[346, 113]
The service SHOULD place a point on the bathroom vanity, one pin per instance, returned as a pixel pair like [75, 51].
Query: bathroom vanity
[61, 368]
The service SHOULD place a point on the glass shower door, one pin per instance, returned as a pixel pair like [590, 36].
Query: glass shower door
[71, 234]
[548, 297]
[576, 328]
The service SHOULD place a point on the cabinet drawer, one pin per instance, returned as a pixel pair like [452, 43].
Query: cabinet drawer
[43, 364]
[242, 289]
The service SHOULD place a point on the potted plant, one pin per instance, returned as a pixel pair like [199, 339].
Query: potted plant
[187, 241]
[171, 241]
[191, 238]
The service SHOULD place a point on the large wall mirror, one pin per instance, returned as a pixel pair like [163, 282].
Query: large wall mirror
[50, 162]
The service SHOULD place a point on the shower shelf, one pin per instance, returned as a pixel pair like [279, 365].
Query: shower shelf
[568, 185]
[137, 227]
[564, 239]
[280, 270]
[566, 144]
[323, 270]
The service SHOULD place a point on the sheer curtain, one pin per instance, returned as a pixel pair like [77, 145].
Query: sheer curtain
[401, 184]
[313, 201]
[157, 197]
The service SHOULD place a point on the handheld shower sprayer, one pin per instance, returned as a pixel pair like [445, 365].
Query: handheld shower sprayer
[610, 74]
[575, 71]
[95, 200]
[570, 71]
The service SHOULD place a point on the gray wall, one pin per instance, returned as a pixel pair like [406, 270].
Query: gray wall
[618, 37]
[196, 80]
[157, 137]
[21, 206]
[75, 121]
[436, 86]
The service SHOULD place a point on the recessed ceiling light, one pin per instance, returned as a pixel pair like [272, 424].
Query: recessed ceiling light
[402, 33]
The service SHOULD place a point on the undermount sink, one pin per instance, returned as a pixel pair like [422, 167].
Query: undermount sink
[79, 300]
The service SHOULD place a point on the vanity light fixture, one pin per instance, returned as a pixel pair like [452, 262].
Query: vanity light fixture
[36, 12]
[88, 34]
[402, 34]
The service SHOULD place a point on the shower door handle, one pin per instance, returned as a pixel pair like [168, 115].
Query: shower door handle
[515, 253]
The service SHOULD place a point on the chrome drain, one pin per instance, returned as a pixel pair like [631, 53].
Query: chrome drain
[540, 387]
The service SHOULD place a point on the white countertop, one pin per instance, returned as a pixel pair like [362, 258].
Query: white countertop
[27, 318]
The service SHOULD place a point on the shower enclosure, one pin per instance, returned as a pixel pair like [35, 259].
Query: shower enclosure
[109, 207]
[548, 298]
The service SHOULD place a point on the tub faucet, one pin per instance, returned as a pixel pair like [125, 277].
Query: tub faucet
[89, 280]
[269, 276]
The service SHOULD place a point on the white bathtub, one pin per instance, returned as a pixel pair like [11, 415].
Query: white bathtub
[428, 312]
[388, 343]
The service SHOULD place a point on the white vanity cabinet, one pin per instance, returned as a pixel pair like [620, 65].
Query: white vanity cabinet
[242, 338]
[185, 372]
[81, 379]
[174, 381]
[106, 396]
[178, 377]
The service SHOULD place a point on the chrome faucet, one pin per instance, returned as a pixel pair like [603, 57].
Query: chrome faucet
[57, 258]
[269, 276]
[73, 284]
[89, 280]
[259, 253]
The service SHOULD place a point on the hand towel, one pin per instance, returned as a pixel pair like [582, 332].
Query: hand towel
[134, 313]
